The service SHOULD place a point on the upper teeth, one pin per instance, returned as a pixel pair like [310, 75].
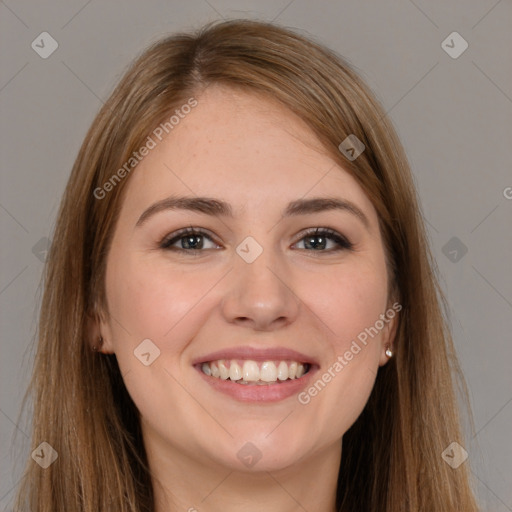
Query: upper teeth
[253, 371]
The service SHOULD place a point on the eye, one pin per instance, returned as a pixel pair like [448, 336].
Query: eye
[317, 239]
[187, 240]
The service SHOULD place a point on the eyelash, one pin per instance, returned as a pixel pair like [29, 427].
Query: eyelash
[342, 241]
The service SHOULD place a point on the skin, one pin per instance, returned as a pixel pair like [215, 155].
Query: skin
[257, 156]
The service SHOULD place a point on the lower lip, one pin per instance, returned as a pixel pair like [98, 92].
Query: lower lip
[257, 393]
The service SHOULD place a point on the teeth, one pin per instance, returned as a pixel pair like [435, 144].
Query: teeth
[215, 370]
[224, 371]
[235, 372]
[252, 372]
[268, 372]
[282, 371]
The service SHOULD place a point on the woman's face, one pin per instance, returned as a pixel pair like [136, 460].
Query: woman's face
[213, 329]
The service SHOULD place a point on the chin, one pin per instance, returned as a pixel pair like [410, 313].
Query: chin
[260, 451]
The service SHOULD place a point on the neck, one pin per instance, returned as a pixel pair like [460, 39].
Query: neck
[185, 484]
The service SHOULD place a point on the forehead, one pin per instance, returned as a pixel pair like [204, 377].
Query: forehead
[244, 148]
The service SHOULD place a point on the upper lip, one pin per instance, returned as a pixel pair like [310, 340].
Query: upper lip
[256, 354]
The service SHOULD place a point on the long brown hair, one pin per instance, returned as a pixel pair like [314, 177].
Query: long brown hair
[392, 454]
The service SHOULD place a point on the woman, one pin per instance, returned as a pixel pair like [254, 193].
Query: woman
[240, 309]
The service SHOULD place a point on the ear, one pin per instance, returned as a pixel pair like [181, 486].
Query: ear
[389, 332]
[98, 332]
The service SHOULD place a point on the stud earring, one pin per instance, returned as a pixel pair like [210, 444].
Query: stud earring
[389, 352]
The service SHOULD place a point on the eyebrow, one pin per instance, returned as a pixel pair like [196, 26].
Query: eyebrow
[216, 207]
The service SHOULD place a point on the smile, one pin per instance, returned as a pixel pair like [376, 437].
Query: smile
[256, 373]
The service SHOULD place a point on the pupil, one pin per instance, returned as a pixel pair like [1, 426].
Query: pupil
[316, 245]
[192, 242]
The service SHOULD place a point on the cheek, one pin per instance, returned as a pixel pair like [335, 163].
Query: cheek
[150, 301]
[155, 302]
[348, 302]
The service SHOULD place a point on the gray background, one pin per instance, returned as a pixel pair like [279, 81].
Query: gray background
[454, 117]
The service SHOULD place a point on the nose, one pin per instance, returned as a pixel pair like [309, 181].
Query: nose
[260, 295]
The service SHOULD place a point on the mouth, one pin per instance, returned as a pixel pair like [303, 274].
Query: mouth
[257, 375]
[254, 373]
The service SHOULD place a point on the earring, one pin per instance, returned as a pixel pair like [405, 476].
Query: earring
[389, 352]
